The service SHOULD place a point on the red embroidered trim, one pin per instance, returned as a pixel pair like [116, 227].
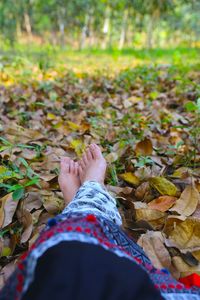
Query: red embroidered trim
[91, 218]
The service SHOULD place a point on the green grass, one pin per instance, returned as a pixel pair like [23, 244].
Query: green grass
[95, 60]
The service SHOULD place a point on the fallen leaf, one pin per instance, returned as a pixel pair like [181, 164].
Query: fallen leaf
[152, 216]
[183, 235]
[163, 186]
[25, 218]
[142, 190]
[33, 200]
[144, 147]
[182, 172]
[7, 271]
[184, 268]
[196, 254]
[130, 178]
[7, 210]
[188, 201]
[111, 157]
[162, 203]
[51, 203]
[153, 245]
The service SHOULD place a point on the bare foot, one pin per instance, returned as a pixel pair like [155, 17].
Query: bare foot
[68, 179]
[92, 165]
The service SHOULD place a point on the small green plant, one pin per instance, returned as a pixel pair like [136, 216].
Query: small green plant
[143, 161]
[194, 128]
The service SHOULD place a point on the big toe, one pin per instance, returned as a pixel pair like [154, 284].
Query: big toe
[64, 164]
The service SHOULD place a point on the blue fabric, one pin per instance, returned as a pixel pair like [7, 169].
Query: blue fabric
[79, 271]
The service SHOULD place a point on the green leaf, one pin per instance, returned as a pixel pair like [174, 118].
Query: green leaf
[190, 106]
[198, 104]
[15, 187]
[5, 142]
[33, 181]
[24, 162]
[18, 194]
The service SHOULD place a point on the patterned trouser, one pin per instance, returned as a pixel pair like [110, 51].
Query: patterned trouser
[93, 198]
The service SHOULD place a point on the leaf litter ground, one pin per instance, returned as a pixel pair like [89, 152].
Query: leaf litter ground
[145, 119]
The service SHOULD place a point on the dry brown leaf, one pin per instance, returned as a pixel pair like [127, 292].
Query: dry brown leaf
[142, 190]
[196, 214]
[152, 216]
[183, 235]
[111, 157]
[188, 201]
[25, 218]
[182, 172]
[33, 200]
[119, 190]
[184, 268]
[7, 210]
[52, 203]
[162, 203]
[196, 254]
[21, 134]
[6, 272]
[144, 147]
[153, 246]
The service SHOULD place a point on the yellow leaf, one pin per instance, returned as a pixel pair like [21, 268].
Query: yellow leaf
[6, 251]
[154, 217]
[182, 172]
[188, 201]
[144, 147]
[51, 116]
[78, 146]
[2, 169]
[73, 125]
[130, 178]
[196, 254]
[184, 235]
[163, 186]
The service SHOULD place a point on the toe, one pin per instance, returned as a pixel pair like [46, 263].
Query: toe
[80, 171]
[71, 166]
[82, 164]
[84, 158]
[64, 166]
[76, 165]
[65, 159]
[96, 151]
[89, 154]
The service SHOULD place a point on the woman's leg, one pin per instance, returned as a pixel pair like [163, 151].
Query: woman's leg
[92, 196]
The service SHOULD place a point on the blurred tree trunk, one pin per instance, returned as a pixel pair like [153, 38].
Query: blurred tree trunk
[106, 28]
[123, 29]
[153, 19]
[18, 29]
[62, 33]
[91, 31]
[84, 32]
[150, 33]
[61, 25]
[27, 24]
